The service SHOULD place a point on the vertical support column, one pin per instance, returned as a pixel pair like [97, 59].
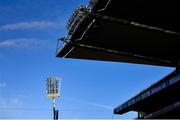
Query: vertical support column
[54, 113]
[141, 115]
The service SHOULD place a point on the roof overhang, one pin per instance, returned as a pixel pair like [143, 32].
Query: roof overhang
[128, 35]
[160, 92]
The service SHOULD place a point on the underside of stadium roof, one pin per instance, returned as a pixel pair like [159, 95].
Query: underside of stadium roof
[144, 32]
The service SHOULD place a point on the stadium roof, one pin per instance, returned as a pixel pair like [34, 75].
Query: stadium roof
[144, 32]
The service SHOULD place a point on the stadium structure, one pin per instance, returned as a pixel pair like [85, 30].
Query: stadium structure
[138, 31]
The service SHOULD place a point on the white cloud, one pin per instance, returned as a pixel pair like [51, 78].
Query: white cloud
[10, 103]
[92, 104]
[9, 106]
[99, 105]
[27, 43]
[24, 96]
[31, 25]
[3, 84]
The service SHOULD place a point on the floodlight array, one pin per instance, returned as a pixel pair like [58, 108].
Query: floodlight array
[52, 87]
[75, 18]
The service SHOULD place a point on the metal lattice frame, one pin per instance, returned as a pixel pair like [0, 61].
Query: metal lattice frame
[52, 88]
[78, 14]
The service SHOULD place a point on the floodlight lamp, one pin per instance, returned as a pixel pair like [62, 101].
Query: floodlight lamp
[53, 87]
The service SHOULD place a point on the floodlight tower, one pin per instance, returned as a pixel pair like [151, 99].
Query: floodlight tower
[53, 92]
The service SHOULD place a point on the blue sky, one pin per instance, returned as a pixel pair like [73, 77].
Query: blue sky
[29, 30]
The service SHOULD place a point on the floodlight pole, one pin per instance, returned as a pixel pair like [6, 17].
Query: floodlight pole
[52, 90]
[54, 104]
[53, 100]
[55, 112]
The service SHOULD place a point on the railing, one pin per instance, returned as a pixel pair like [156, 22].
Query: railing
[72, 24]
[75, 18]
[92, 3]
[61, 43]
